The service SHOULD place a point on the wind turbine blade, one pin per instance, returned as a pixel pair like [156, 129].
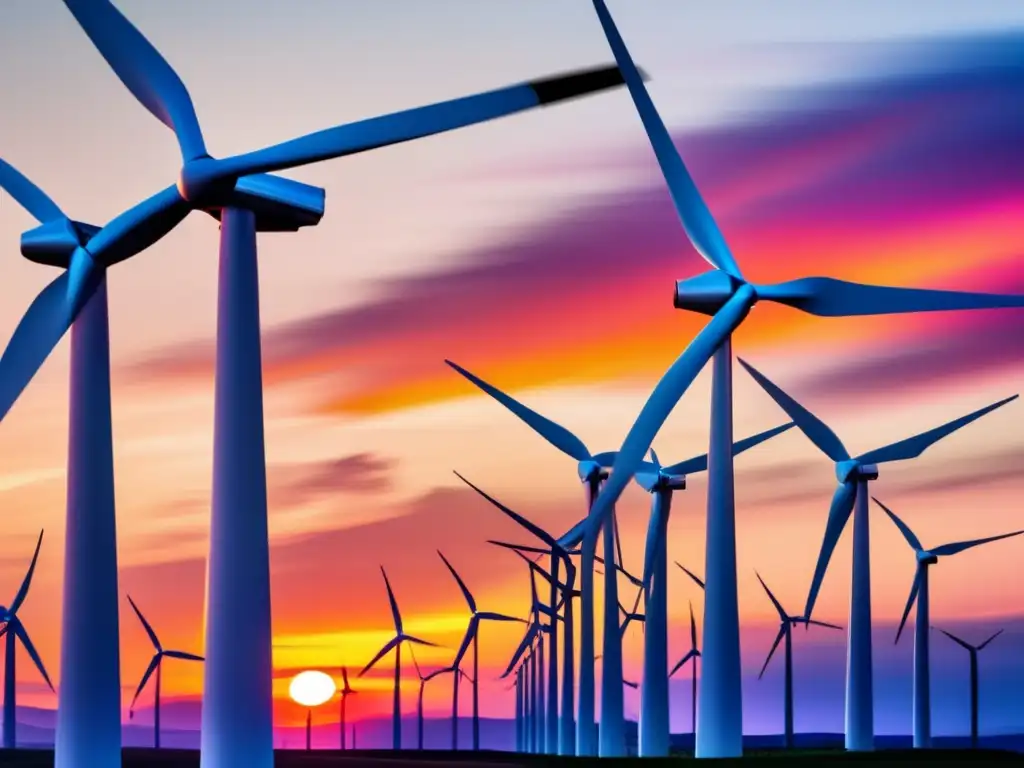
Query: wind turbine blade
[556, 434]
[700, 463]
[27, 581]
[913, 447]
[776, 603]
[528, 637]
[816, 430]
[145, 625]
[957, 640]
[778, 639]
[619, 569]
[828, 297]
[391, 644]
[838, 513]
[908, 534]
[619, 542]
[691, 654]
[134, 230]
[658, 407]
[418, 641]
[183, 656]
[26, 641]
[154, 662]
[815, 623]
[467, 638]
[910, 603]
[697, 579]
[693, 629]
[462, 585]
[419, 122]
[697, 220]
[40, 330]
[519, 548]
[344, 677]
[630, 684]
[960, 546]
[28, 195]
[491, 616]
[605, 459]
[437, 672]
[395, 615]
[647, 480]
[415, 663]
[143, 71]
[533, 528]
[993, 637]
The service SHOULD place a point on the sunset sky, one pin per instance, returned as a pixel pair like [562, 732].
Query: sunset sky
[866, 141]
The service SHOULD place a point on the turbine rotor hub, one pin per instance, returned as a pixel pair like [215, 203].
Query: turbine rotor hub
[707, 292]
[590, 471]
[198, 183]
[925, 557]
[852, 470]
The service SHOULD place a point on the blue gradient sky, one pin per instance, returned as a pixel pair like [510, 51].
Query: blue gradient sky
[863, 140]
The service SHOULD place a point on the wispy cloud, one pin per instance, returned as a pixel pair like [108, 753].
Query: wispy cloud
[908, 178]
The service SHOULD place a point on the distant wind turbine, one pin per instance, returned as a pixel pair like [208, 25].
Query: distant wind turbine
[851, 497]
[785, 633]
[566, 735]
[726, 294]
[424, 679]
[919, 594]
[531, 648]
[592, 472]
[344, 691]
[472, 636]
[973, 651]
[15, 630]
[155, 664]
[661, 482]
[395, 644]
[691, 655]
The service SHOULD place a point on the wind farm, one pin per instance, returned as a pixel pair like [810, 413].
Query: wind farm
[517, 245]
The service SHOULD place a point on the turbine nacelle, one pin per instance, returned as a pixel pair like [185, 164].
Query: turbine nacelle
[54, 242]
[280, 204]
[924, 557]
[852, 470]
[706, 293]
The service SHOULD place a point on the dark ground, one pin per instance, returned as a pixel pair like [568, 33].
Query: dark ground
[174, 758]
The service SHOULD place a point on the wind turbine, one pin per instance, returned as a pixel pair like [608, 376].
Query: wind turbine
[534, 632]
[851, 497]
[89, 700]
[472, 636]
[973, 651]
[424, 679]
[15, 631]
[344, 691]
[727, 295]
[566, 734]
[591, 472]
[786, 623]
[661, 483]
[395, 644]
[691, 655]
[919, 593]
[155, 664]
[238, 191]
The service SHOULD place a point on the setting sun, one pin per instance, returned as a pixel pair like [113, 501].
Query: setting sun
[311, 688]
